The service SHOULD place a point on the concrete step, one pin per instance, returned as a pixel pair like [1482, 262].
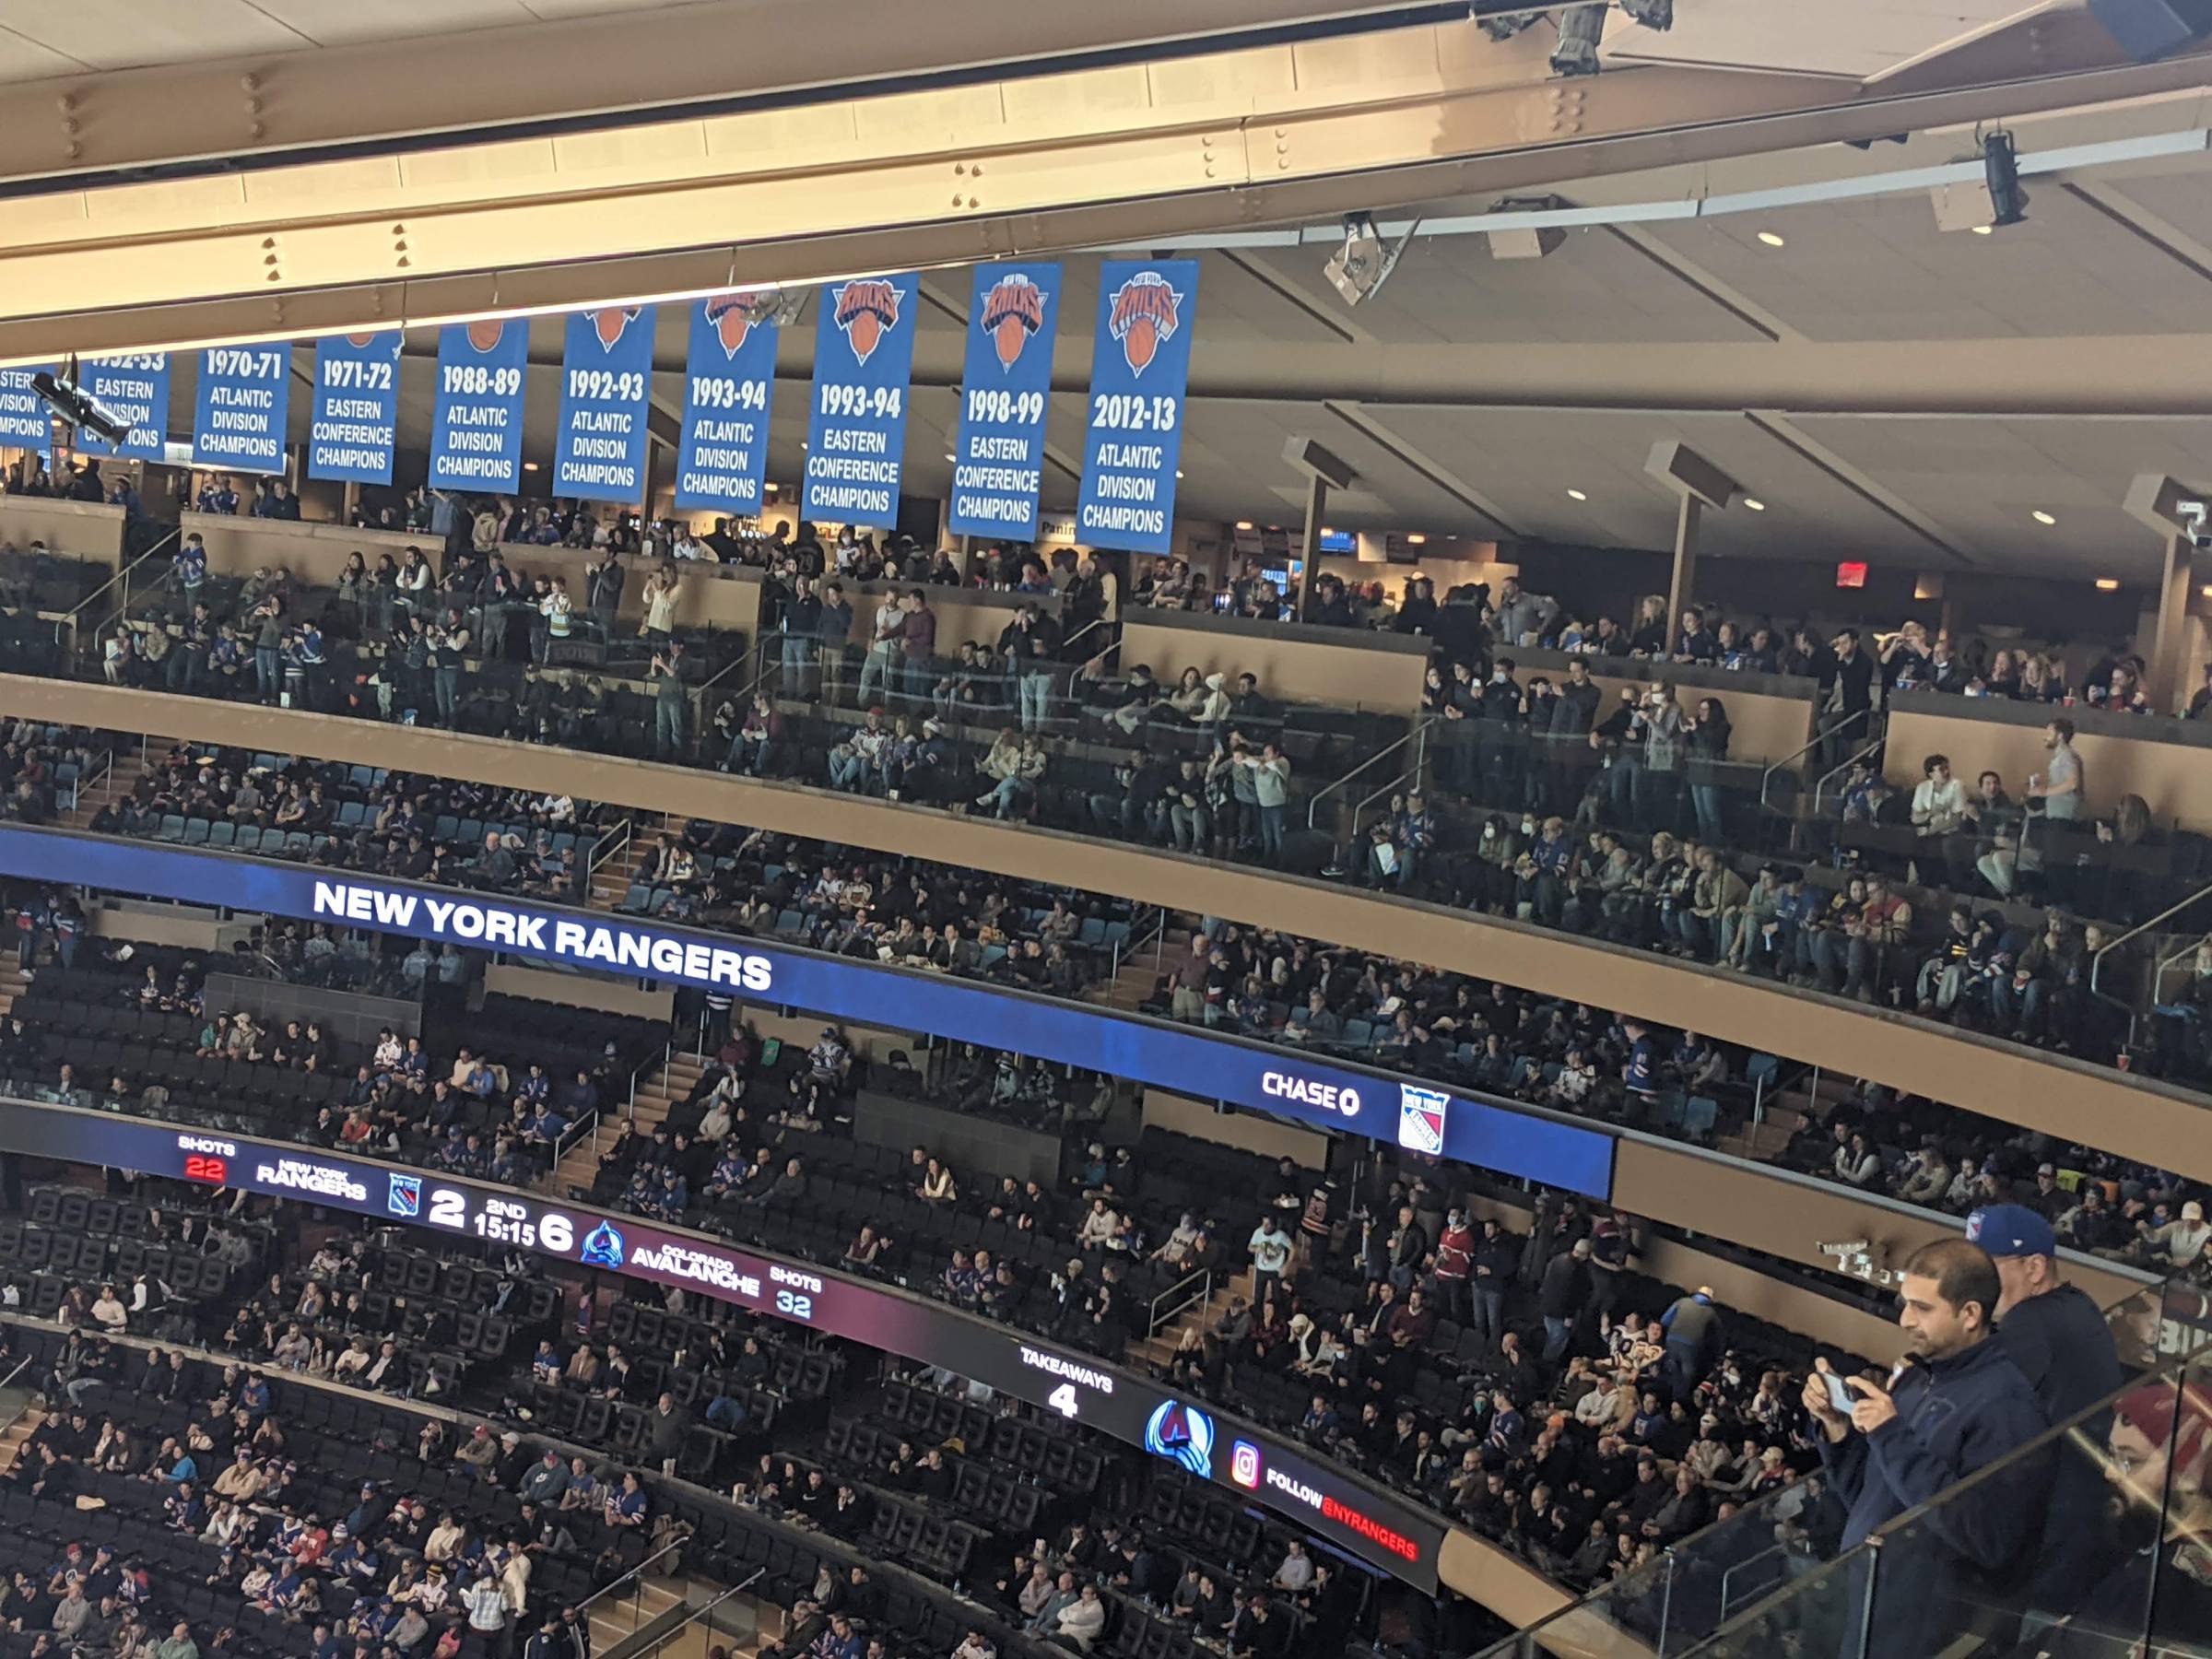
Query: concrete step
[18, 1435]
[617, 1615]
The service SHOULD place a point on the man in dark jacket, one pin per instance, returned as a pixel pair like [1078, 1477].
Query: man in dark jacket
[1957, 1405]
[2058, 1336]
[1497, 1252]
[1561, 1296]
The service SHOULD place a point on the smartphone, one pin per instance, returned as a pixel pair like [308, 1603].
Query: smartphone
[1839, 1392]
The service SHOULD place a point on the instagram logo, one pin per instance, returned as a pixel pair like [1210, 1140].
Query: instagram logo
[1244, 1463]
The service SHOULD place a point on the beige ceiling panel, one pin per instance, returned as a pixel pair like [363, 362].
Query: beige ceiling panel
[347, 23]
[1221, 83]
[785, 135]
[642, 151]
[326, 187]
[526, 164]
[931, 121]
[174, 203]
[122, 34]
[1092, 101]
[1400, 63]
[22, 58]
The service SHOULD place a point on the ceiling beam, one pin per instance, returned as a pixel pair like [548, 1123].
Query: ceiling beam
[943, 178]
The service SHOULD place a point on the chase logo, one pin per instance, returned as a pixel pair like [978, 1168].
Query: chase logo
[406, 1196]
[1182, 1434]
[1244, 1463]
[1011, 312]
[868, 311]
[1145, 313]
[1421, 1119]
[602, 1247]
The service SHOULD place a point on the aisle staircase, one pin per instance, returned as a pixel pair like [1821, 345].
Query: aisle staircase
[121, 777]
[612, 879]
[674, 1082]
[18, 1435]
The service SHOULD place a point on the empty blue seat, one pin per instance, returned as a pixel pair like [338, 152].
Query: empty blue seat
[1358, 1033]
[249, 837]
[446, 827]
[224, 834]
[1094, 931]
[352, 815]
[172, 826]
[361, 777]
[196, 831]
[635, 898]
[297, 844]
[1700, 1115]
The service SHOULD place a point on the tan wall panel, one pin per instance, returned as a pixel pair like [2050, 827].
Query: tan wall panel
[2175, 781]
[79, 529]
[2131, 1116]
[237, 546]
[610, 997]
[1760, 728]
[1341, 676]
[1182, 1115]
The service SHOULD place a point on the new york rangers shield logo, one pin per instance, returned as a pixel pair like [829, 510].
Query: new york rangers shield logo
[1012, 312]
[1145, 313]
[609, 321]
[484, 334]
[1421, 1119]
[731, 320]
[867, 309]
[406, 1197]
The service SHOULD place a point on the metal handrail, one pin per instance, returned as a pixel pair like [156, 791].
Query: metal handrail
[700, 1613]
[122, 575]
[1418, 729]
[2097, 960]
[1821, 783]
[1766, 778]
[638, 1572]
[1135, 942]
[91, 778]
[1203, 1294]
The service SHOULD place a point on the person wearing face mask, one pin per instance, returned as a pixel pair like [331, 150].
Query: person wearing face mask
[1502, 738]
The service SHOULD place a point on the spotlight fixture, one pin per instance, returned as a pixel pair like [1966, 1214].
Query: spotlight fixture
[2108, 584]
[66, 395]
[1365, 260]
[1416, 539]
[1754, 504]
[1772, 239]
[1244, 524]
[2001, 172]
[2041, 517]
[1576, 495]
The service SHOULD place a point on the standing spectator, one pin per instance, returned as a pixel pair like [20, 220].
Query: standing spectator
[672, 702]
[1694, 1341]
[880, 665]
[918, 647]
[2062, 787]
[1030, 645]
[1562, 1296]
[1958, 1406]
[1271, 1248]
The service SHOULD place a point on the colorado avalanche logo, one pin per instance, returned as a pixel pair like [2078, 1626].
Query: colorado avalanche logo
[484, 334]
[1012, 312]
[1147, 311]
[730, 322]
[609, 321]
[868, 311]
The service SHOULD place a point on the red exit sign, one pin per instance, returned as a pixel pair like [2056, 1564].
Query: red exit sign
[1851, 574]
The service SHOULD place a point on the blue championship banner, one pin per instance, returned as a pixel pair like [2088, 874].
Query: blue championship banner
[133, 387]
[864, 357]
[237, 415]
[729, 391]
[1007, 384]
[25, 420]
[477, 433]
[1133, 432]
[606, 375]
[356, 424]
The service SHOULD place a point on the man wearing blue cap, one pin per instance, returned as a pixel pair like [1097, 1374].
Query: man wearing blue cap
[2058, 1335]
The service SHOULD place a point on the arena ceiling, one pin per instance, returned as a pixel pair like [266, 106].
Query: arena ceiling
[1886, 388]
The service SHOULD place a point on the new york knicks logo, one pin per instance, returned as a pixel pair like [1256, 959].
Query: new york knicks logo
[1011, 312]
[361, 342]
[609, 321]
[727, 316]
[1145, 313]
[484, 333]
[1182, 1434]
[867, 309]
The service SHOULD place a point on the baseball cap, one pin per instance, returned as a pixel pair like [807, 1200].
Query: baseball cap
[2011, 1230]
[2193, 1211]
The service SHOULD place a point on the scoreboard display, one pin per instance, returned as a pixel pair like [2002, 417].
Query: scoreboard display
[1379, 1527]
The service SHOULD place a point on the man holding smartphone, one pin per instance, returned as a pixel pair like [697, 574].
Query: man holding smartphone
[1956, 1404]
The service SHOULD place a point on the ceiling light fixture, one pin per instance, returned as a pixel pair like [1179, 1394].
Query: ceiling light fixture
[529, 466]
[1359, 268]
[2108, 584]
[2001, 172]
[1244, 524]
[1576, 495]
[1984, 231]
[1771, 238]
[2041, 517]
[1416, 539]
[1754, 504]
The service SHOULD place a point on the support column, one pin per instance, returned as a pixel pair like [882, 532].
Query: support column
[1681, 583]
[1317, 502]
[1696, 484]
[1323, 470]
[2154, 501]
